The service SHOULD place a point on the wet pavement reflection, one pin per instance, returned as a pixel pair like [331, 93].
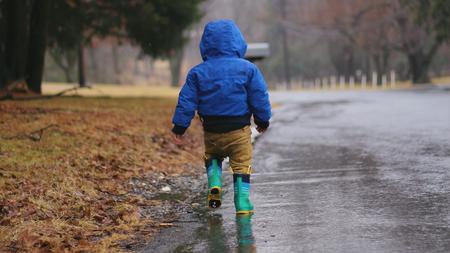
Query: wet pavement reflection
[218, 240]
[212, 232]
[245, 238]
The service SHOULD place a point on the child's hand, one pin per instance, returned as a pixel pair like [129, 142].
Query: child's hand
[260, 129]
[177, 139]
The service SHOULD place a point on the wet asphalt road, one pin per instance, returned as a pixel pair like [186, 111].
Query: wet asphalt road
[344, 172]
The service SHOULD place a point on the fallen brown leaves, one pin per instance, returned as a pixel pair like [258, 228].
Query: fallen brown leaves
[66, 166]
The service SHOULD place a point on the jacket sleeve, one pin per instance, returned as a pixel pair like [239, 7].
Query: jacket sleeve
[258, 98]
[187, 105]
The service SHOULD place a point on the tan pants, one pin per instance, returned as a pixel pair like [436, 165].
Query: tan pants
[236, 145]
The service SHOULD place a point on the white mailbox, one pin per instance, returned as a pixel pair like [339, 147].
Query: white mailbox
[257, 51]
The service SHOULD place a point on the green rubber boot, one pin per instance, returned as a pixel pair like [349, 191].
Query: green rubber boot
[214, 172]
[242, 201]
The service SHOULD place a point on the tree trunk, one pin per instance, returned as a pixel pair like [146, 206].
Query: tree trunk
[284, 41]
[94, 64]
[378, 62]
[419, 63]
[367, 65]
[17, 39]
[3, 36]
[175, 66]
[37, 44]
[81, 65]
[67, 75]
[116, 66]
[418, 68]
[66, 61]
[386, 55]
[349, 57]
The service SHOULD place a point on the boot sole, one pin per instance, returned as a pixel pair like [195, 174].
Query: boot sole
[214, 197]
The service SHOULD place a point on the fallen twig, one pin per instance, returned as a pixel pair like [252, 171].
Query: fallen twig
[11, 96]
[68, 90]
[34, 136]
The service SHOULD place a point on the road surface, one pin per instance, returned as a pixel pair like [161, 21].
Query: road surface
[343, 172]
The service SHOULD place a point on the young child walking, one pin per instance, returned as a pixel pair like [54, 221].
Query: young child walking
[226, 91]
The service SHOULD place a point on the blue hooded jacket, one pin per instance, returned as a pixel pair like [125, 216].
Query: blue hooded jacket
[224, 88]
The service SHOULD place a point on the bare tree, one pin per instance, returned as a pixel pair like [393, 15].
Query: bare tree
[416, 41]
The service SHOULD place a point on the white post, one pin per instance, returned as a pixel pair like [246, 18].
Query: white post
[341, 82]
[333, 82]
[384, 81]
[352, 82]
[317, 83]
[374, 80]
[363, 81]
[325, 83]
[393, 79]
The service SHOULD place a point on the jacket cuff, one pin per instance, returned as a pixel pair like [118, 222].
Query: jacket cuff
[260, 123]
[179, 129]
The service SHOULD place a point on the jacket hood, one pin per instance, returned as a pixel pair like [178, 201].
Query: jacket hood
[222, 38]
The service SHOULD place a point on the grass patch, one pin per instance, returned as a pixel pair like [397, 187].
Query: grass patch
[441, 80]
[112, 90]
[66, 164]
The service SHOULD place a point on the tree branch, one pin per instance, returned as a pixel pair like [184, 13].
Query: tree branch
[34, 135]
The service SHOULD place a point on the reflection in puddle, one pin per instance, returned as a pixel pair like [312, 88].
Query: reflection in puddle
[217, 240]
[217, 237]
[245, 238]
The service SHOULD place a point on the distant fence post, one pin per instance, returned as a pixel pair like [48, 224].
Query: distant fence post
[317, 83]
[352, 82]
[384, 81]
[333, 82]
[374, 80]
[324, 83]
[341, 82]
[363, 81]
[393, 79]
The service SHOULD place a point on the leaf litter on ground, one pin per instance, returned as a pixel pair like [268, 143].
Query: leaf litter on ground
[90, 174]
